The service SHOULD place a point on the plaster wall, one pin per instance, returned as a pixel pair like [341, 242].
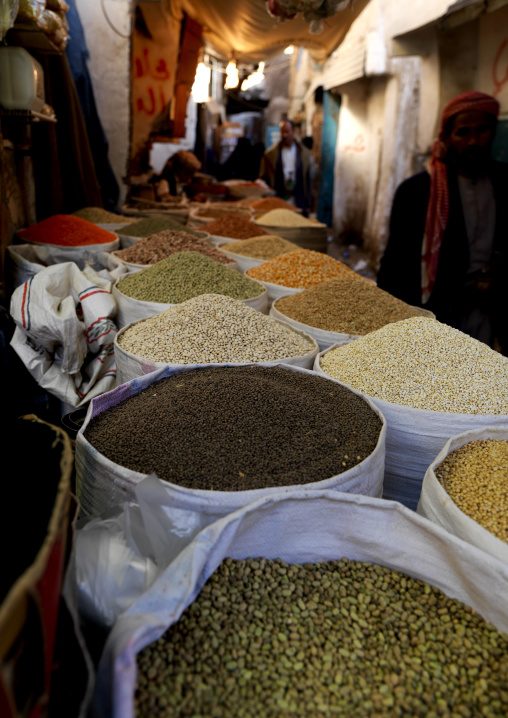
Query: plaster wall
[109, 67]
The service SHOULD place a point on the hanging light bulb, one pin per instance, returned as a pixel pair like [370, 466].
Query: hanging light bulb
[232, 77]
[254, 78]
[289, 50]
[201, 84]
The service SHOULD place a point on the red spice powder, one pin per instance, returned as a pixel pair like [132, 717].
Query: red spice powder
[233, 226]
[66, 230]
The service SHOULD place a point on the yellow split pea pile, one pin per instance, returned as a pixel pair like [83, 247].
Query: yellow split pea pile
[300, 269]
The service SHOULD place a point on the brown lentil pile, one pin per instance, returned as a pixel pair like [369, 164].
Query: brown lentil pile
[287, 218]
[476, 478]
[238, 428]
[216, 213]
[265, 247]
[98, 215]
[213, 329]
[300, 269]
[152, 225]
[346, 638]
[234, 226]
[151, 250]
[424, 364]
[268, 203]
[346, 306]
[186, 275]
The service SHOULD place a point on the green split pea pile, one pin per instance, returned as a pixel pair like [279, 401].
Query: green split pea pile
[266, 638]
[234, 429]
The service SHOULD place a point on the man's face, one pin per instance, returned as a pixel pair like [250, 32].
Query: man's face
[286, 134]
[470, 141]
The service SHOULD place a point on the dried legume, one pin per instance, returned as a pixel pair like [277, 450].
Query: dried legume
[65, 230]
[346, 306]
[152, 249]
[213, 329]
[234, 226]
[268, 203]
[102, 216]
[233, 429]
[152, 225]
[267, 638]
[424, 364]
[217, 212]
[287, 218]
[185, 275]
[300, 269]
[265, 247]
[476, 479]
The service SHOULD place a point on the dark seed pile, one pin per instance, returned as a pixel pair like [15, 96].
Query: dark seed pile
[151, 225]
[233, 429]
[267, 638]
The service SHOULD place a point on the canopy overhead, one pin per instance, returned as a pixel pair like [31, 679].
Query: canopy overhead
[244, 28]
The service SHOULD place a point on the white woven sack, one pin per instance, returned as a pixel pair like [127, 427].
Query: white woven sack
[80, 255]
[244, 263]
[414, 437]
[276, 291]
[131, 310]
[437, 506]
[130, 366]
[325, 339]
[23, 261]
[217, 240]
[299, 527]
[101, 483]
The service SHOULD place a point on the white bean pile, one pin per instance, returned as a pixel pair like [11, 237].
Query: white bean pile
[212, 328]
[424, 364]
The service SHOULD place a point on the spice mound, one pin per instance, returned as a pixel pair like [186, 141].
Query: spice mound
[186, 275]
[265, 247]
[151, 250]
[213, 329]
[268, 203]
[65, 230]
[337, 638]
[217, 212]
[102, 216]
[476, 479]
[234, 226]
[424, 364]
[152, 225]
[345, 306]
[238, 428]
[301, 268]
[287, 218]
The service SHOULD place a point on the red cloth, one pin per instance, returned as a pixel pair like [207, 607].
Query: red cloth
[437, 209]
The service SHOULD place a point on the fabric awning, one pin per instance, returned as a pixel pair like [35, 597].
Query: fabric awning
[245, 28]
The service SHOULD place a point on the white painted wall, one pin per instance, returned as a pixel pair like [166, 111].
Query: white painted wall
[109, 67]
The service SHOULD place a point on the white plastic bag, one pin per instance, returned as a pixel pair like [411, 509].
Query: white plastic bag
[65, 331]
[101, 483]
[132, 310]
[298, 527]
[437, 506]
[414, 437]
[130, 366]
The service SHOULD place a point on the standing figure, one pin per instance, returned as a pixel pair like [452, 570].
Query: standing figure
[285, 167]
[448, 244]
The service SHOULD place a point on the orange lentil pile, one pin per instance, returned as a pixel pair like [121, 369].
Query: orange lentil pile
[300, 269]
[66, 230]
[268, 203]
[233, 226]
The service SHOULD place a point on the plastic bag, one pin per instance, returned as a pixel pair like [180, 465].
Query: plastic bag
[8, 11]
[65, 331]
[31, 9]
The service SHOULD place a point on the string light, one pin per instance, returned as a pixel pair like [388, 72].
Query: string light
[232, 77]
[254, 78]
[289, 50]
[201, 84]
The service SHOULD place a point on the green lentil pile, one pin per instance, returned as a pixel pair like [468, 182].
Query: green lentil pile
[212, 329]
[238, 428]
[98, 215]
[346, 306]
[267, 638]
[261, 247]
[151, 250]
[151, 225]
[476, 478]
[423, 364]
[186, 275]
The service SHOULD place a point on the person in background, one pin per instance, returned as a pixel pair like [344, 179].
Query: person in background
[447, 249]
[285, 167]
[179, 170]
